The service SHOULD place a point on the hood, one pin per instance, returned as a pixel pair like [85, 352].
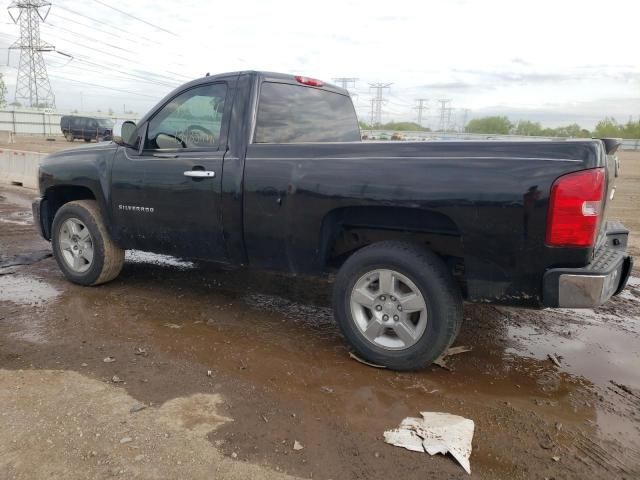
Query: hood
[83, 150]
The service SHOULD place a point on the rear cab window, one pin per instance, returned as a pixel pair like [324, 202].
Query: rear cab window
[290, 113]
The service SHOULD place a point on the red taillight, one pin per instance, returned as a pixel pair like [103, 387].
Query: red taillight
[313, 82]
[575, 207]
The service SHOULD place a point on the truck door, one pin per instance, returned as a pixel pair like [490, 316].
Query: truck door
[166, 193]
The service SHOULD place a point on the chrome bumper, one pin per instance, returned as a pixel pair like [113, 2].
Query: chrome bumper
[596, 283]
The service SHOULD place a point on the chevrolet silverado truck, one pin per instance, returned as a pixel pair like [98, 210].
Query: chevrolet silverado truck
[268, 171]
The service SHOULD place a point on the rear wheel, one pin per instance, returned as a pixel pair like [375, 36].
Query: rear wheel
[397, 304]
[85, 252]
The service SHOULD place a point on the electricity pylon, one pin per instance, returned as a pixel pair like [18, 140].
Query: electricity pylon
[32, 86]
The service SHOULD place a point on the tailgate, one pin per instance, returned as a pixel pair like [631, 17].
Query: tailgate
[612, 164]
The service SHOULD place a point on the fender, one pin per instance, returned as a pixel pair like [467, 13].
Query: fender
[87, 168]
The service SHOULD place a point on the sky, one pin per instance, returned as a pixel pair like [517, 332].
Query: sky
[556, 62]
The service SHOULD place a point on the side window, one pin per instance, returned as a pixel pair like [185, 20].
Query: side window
[193, 119]
[296, 114]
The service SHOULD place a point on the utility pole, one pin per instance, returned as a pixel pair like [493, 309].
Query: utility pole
[445, 113]
[346, 82]
[451, 119]
[422, 106]
[32, 85]
[378, 101]
[373, 108]
[465, 118]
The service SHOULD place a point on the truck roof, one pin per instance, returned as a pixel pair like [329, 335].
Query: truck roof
[263, 76]
[269, 77]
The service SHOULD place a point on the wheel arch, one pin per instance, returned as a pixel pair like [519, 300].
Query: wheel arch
[56, 196]
[348, 229]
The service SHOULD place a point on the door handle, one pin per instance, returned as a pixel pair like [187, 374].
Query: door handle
[200, 173]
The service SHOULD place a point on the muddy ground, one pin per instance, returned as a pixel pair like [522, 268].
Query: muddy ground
[215, 374]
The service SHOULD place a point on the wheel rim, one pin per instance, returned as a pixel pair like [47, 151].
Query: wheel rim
[388, 309]
[76, 245]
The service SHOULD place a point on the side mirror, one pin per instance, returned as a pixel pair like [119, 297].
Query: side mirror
[123, 132]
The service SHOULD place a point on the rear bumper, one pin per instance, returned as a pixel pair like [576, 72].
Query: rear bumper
[596, 283]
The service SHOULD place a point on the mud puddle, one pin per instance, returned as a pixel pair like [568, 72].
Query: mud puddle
[18, 218]
[276, 354]
[24, 259]
[25, 290]
[599, 345]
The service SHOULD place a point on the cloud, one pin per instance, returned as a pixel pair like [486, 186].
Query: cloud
[451, 86]
[460, 50]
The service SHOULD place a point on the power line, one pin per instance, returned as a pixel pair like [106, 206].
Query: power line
[86, 37]
[128, 15]
[102, 51]
[118, 75]
[85, 25]
[98, 50]
[102, 86]
[399, 102]
[114, 68]
[101, 22]
[94, 28]
[112, 55]
[137, 37]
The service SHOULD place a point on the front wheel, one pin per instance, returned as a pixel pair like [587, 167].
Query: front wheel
[82, 246]
[69, 137]
[397, 304]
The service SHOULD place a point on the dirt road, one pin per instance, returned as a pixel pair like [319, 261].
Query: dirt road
[215, 374]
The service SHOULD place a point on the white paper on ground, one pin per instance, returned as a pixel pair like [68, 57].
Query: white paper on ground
[435, 432]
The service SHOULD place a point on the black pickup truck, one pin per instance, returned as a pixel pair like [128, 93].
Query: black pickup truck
[269, 171]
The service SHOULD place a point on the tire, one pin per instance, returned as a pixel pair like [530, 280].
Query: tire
[69, 137]
[73, 224]
[419, 277]
[87, 140]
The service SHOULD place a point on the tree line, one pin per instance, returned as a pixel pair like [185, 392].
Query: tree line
[608, 127]
[396, 126]
[501, 125]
